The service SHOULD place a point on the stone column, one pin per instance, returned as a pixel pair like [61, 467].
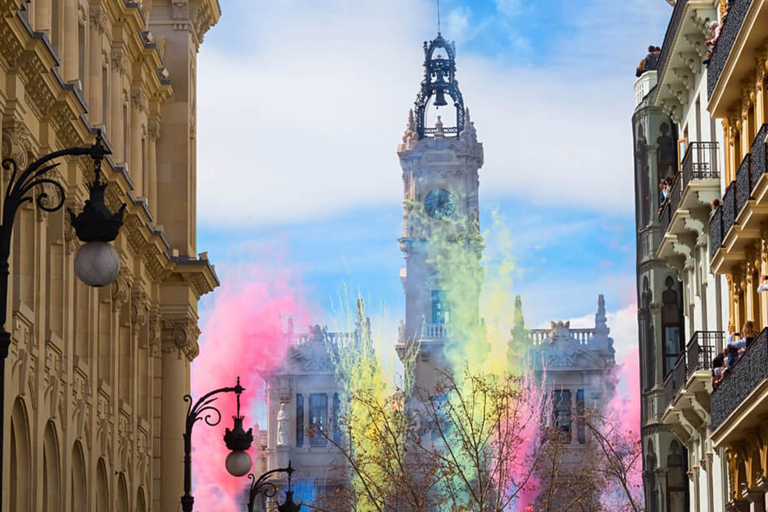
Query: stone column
[179, 346]
[69, 51]
[97, 25]
[136, 158]
[153, 132]
[42, 21]
[116, 104]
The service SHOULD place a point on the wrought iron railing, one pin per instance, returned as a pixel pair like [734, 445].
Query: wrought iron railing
[715, 232]
[669, 37]
[749, 371]
[701, 350]
[731, 28]
[697, 356]
[759, 166]
[743, 183]
[700, 162]
[729, 208]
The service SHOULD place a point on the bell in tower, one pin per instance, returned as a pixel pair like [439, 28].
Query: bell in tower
[441, 240]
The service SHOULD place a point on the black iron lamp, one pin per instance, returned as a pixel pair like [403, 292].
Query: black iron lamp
[264, 486]
[238, 462]
[97, 263]
[289, 505]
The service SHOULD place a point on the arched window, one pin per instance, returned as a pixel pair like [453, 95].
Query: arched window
[79, 483]
[676, 479]
[102, 487]
[19, 474]
[52, 495]
[122, 495]
[649, 344]
[670, 325]
[651, 484]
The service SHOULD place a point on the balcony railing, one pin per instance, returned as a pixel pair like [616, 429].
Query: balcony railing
[731, 27]
[740, 380]
[739, 192]
[697, 356]
[701, 350]
[435, 331]
[759, 154]
[715, 232]
[743, 183]
[669, 37]
[700, 162]
[580, 336]
[729, 208]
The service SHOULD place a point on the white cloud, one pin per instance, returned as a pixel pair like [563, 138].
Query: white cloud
[510, 8]
[303, 121]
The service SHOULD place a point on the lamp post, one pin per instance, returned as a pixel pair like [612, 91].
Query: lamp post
[264, 486]
[96, 264]
[238, 440]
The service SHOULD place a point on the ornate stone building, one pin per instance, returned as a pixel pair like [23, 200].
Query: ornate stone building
[659, 299]
[441, 231]
[684, 245]
[576, 367]
[95, 377]
[737, 78]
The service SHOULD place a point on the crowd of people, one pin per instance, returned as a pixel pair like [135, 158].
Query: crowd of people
[738, 343]
[665, 189]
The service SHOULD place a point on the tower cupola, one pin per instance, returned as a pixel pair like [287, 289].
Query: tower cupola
[439, 87]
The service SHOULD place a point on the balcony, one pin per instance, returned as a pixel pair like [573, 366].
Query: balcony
[687, 387]
[435, 332]
[684, 216]
[735, 226]
[741, 397]
[683, 49]
[735, 55]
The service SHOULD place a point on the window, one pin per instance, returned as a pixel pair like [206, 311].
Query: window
[440, 309]
[299, 420]
[670, 325]
[580, 411]
[318, 415]
[336, 412]
[561, 409]
[81, 55]
[104, 96]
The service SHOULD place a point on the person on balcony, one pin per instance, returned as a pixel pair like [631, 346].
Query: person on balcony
[651, 61]
[763, 286]
[748, 334]
[718, 368]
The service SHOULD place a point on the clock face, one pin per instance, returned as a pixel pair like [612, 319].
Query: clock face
[440, 203]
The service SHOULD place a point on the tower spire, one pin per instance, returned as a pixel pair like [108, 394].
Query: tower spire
[438, 17]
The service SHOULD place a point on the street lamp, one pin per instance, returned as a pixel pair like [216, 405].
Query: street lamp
[264, 486]
[238, 440]
[96, 264]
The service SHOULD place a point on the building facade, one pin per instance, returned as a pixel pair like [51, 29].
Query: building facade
[659, 299]
[681, 93]
[738, 232]
[95, 378]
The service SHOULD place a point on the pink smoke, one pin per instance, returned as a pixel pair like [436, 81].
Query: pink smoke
[623, 415]
[243, 336]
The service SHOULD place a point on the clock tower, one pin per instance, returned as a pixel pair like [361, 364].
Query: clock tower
[441, 240]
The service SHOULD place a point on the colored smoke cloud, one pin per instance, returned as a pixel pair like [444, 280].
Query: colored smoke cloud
[243, 336]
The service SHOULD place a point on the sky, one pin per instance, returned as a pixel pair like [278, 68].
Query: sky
[301, 104]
